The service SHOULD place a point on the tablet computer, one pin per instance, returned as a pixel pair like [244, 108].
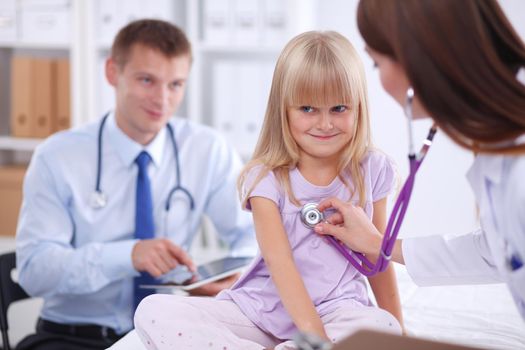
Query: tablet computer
[181, 278]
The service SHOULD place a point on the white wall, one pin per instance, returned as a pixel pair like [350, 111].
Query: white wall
[442, 200]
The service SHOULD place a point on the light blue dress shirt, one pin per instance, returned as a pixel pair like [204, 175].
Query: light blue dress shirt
[79, 258]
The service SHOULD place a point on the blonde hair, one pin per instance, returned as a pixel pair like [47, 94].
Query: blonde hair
[314, 69]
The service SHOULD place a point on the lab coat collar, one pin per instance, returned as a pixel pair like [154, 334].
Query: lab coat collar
[491, 166]
[128, 149]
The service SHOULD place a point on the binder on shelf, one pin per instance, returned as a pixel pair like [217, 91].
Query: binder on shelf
[107, 20]
[40, 98]
[45, 22]
[224, 100]
[161, 9]
[8, 22]
[61, 117]
[246, 28]
[301, 15]
[129, 10]
[112, 15]
[274, 22]
[43, 4]
[21, 98]
[217, 24]
[251, 105]
[43, 97]
[239, 114]
[11, 180]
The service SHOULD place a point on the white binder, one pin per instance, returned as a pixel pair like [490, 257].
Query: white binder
[274, 23]
[217, 22]
[247, 29]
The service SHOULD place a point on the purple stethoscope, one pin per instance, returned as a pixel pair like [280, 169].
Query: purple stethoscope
[311, 216]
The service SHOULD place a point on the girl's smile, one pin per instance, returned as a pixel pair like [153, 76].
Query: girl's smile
[321, 131]
[324, 137]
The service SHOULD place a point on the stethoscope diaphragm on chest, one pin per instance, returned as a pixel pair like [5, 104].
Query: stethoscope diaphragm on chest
[98, 200]
[310, 215]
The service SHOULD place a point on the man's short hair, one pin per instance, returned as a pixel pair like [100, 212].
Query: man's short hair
[152, 33]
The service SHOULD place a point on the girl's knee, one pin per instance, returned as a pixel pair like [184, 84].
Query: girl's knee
[383, 320]
[164, 308]
[346, 321]
[151, 304]
[157, 307]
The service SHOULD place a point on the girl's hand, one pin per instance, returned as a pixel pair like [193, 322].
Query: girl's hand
[351, 226]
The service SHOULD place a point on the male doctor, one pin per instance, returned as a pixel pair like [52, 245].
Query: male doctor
[107, 206]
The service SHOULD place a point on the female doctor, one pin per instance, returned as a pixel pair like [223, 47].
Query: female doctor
[461, 62]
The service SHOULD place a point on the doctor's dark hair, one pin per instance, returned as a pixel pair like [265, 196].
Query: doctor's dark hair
[314, 69]
[461, 58]
[159, 35]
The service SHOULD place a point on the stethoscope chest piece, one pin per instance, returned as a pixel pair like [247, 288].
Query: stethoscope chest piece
[310, 215]
[98, 200]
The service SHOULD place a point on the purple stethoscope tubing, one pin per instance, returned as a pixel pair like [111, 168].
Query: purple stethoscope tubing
[366, 267]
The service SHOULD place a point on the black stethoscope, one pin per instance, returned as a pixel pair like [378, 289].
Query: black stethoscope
[99, 199]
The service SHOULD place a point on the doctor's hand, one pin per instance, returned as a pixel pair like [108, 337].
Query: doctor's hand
[211, 289]
[159, 256]
[350, 225]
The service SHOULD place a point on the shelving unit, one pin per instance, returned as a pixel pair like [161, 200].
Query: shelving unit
[234, 50]
[18, 143]
[92, 31]
[19, 40]
[33, 46]
[232, 72]
[232, 100]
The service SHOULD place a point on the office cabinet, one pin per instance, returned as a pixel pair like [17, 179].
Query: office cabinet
[11, 178]
[253, 33]
[52, 55]
[40, 101]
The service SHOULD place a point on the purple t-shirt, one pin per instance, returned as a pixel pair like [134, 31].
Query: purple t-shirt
[330, 279]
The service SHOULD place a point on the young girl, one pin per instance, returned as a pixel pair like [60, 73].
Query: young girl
[314, 144]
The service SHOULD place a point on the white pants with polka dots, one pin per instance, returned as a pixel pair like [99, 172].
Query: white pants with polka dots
[178, 322]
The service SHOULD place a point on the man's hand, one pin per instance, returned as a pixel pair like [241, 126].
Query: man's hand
[212, 288]
[159, 256]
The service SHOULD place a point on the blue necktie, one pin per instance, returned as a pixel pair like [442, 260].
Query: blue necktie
[144, 225]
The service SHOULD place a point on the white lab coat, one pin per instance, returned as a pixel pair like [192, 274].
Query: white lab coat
[481, 256]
